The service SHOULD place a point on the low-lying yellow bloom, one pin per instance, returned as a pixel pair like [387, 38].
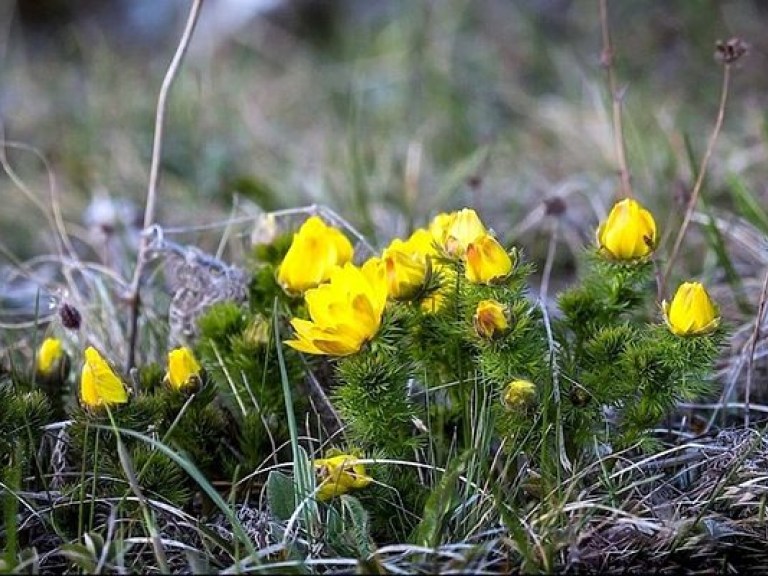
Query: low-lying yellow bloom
[629, 232]
[48, 355]
[316, 249]
[692, 311]
[340, 474]
[490, 319]
[487, 261]
[99, 385]
[183, 369]
[518, 394]
[345, 313]
[406, 264]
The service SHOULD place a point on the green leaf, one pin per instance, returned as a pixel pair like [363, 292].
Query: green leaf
[280, 495]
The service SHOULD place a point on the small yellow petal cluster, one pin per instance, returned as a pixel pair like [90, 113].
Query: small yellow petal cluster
[183, 369]
[99, 385]
[490, 319]
[406, 263]
[518, 394]
[48, 355]
[338, 475]
[629, 232]
[463, 235]
[691, 312]
[316, 250]
[345, 313]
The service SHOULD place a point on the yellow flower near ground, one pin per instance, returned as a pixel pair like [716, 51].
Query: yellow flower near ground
[345, 313]
[99, 385]
[629, 232]
[464, 228]
[487, 261]
[316, 250]
[692, 311]
[406, 264]
[338, 475]
[490, 319]
[48, 355]
[183, 369]
[519, 393]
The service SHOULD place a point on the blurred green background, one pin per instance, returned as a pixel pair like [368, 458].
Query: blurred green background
[387, 111]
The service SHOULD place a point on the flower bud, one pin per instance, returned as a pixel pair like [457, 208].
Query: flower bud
[463, 228]
[691, 312]
[183, 369]
[490, 319]
[49, 356]
[519, 394]
[629, 232]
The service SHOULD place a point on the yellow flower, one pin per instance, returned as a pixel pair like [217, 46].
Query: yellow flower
[406, 264]
[691, 312]
[48, 355]
[340, 474]
[463, 229]
[518, 394]
[487, 261]
[628, 233]
[99, 385]
[439, 227]
[345, 313]
[490, 319]
[316, 250]
[183, 369]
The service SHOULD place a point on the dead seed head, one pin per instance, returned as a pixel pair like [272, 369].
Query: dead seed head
[70, 316]
[730, 51]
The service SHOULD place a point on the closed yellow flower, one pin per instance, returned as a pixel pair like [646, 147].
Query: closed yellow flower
[490, 319]
[99, 385]
[692, 311]
[345, 313]
[406, 264]
[629, 232]
[463, 229]
[519, 394]
[183, 369]
[316, 250]
[49, 355]
[439, 227]
[487, 261]
[338, 475]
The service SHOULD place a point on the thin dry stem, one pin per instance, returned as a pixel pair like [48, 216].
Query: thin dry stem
[154, 170]
[753, 346]
[699, 177]
[606, 59]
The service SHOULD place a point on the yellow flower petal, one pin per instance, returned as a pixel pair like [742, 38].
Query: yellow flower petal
[691, 312]
[629, 232]
[490, 319]
[183, 369]
[340, 474]
[99, 385]
[487, 261]
[48, 355]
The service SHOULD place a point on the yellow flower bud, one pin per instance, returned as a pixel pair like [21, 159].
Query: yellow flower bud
[183, 369]
[457, 234]
[49, 355]
[345, 313]
[691, 312]
[518, 394]
[99, 385]
[258, 331]
[490, 319]
[340, 474]
[629, 232]
[487, 261]
[406, 264]
[316, 250]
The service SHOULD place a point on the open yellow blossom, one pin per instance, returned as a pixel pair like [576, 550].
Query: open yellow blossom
[406, 264]
[464, 228]
[487, 261]
[99, 385]
[692, 311]
[316, 249]
[519, 393]
[183, 369]
[490, 319]
[629, 232]
[345, 313]
[340, 474]
[49, 354]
